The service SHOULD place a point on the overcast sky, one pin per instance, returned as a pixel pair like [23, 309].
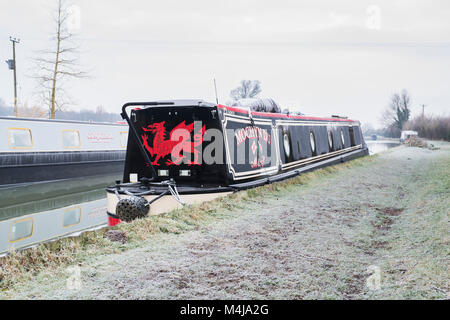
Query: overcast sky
[318, 57]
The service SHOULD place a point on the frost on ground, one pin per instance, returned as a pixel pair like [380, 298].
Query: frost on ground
[372, 231]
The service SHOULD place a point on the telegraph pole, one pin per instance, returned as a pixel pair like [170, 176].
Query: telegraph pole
[14, 67]
[423, 110]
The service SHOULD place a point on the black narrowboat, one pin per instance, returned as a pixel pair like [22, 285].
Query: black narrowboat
[189, 151]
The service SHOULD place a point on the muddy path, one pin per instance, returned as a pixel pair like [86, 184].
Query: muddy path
[322, 240]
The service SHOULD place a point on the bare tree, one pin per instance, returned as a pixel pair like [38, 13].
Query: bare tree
[56, 66]
[397, 113]
[100, 110]
[367, 129]
[247, 89]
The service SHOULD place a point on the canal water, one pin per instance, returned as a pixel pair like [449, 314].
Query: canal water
[30, 215]
[377, 146]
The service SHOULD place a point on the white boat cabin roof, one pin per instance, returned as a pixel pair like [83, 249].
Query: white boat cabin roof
[42, 135]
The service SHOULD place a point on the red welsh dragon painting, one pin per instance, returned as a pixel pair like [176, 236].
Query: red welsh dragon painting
[178, 146]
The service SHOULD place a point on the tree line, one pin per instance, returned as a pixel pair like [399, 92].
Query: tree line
[396, 117]
[430, 127]
[25, 111]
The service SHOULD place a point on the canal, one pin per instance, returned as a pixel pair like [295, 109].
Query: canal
[30, 215]
[377, 146]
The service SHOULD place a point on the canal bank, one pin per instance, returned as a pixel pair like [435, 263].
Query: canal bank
[321, 235]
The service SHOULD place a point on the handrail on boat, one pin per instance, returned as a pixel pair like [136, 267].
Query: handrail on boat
[125, 116]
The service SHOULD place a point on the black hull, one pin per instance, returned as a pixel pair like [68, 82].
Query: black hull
[30, 168]
[183, 189]
[19, 176]
[311, 167]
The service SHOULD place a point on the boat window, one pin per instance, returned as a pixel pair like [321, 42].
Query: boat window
[20, 138]
[72, 217]
[312, 141]
[71, 139]
[330, 139]
[287, 146]
[123, 138]
[21, 230]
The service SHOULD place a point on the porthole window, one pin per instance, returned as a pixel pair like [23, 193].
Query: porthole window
[312, 141]
[21, 230]
[287, 147]
[20, 138]
[342, 138]
[71, 139]
[330, 139]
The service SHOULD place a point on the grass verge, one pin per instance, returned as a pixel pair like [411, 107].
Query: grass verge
[417, 257]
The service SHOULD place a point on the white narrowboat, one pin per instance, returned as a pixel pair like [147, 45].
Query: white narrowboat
[40, 150]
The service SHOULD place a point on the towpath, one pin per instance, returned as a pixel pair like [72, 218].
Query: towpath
[378, 229]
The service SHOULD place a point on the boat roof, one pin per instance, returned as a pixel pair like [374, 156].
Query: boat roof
[283, 115]
[173, 103]
[202, 103]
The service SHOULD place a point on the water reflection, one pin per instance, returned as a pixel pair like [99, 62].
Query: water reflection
[39, 219]
[36, 192]
[21, 230]
[377, 146]
[31, 229]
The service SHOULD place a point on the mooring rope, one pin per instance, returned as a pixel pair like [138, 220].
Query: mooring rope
[171, 187]
[173, 190]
